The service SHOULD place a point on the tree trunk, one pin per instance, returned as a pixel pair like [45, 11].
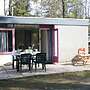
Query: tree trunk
[63, 9]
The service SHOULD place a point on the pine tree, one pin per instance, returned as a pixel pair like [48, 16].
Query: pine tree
[19, 7]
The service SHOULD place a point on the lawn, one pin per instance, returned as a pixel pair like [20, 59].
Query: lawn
[64, 81]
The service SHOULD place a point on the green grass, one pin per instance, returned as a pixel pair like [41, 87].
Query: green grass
[64, 81]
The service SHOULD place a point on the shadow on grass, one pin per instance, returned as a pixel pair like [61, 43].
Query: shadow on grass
[64, 81]
[43, 86]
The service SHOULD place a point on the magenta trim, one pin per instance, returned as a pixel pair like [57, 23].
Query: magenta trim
[13, 40]
[54, 58]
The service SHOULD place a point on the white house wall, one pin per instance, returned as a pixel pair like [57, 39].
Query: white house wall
[70, 38]
[5, 59]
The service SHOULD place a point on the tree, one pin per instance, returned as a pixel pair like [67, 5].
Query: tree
[75, 8]
[63, 9]
[48, 8]
[19, 7]
[51, 8]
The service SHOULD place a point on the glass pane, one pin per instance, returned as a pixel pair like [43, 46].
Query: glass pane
[4, 41]
[0, 41]
[9, 41]
[50, 45]
[34, 40]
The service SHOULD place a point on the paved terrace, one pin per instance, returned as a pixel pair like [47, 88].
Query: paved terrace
[7, 72]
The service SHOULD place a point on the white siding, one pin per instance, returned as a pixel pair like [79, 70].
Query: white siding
[70, 39]
[4, 59]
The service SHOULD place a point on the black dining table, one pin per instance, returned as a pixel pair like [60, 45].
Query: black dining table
[17, 59]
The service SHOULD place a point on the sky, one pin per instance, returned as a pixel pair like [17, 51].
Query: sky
[2, 7]
[35, 7]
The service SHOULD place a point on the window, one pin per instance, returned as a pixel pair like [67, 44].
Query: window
[5, 41]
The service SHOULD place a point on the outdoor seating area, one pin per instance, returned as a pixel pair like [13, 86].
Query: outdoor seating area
[29, 59]
[81, 58]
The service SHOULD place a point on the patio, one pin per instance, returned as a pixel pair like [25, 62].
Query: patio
[7, 72]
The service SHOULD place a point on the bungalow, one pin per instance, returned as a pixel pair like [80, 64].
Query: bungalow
[60, 38]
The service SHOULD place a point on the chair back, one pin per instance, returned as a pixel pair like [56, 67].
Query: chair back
[41, 57]
[26, 58]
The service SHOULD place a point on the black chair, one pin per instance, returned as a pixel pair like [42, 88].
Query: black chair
[25, 59]
[16, 58]
[40, 59]
[13, 61]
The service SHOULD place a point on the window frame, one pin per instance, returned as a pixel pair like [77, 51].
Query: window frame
[13, 40]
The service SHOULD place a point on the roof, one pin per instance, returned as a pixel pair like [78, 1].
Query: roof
[41, 20]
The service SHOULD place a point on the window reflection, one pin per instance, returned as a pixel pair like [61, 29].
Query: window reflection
[5, 41]
[0, 41]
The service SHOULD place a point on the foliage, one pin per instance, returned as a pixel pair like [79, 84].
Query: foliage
[48, 8]
[19, 7]
[61, 8]
[75, 8]
[52, 8]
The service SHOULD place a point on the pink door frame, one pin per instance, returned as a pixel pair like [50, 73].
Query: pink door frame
[55, 46]
[52, 27]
